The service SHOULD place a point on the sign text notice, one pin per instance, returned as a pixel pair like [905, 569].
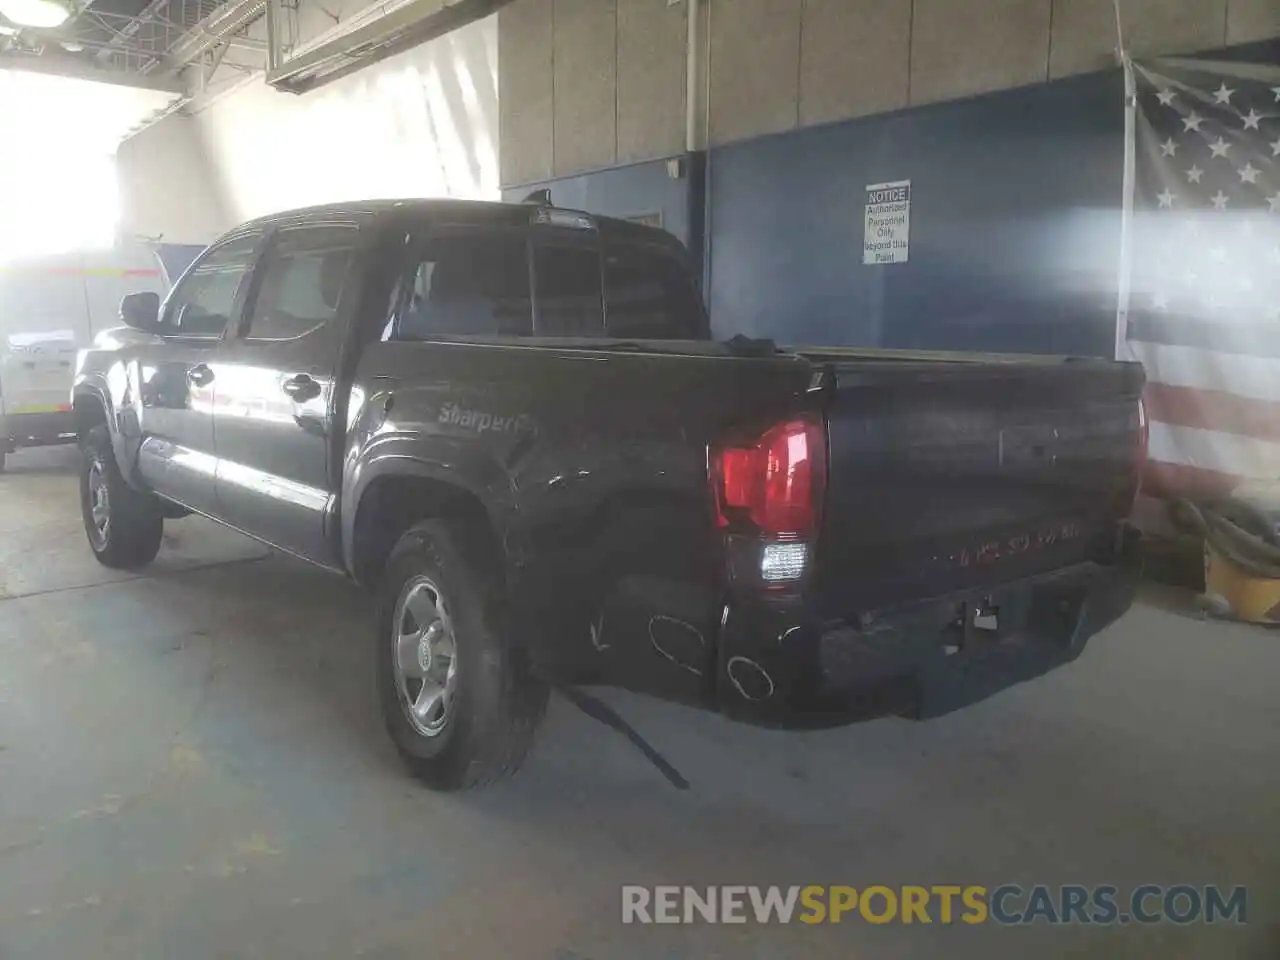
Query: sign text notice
[886, 236]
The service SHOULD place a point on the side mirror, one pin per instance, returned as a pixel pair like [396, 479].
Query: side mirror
[141, 311]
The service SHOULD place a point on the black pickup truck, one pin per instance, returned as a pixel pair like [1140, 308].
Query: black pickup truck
[511, 423]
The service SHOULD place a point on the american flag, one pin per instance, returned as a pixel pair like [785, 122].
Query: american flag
[1204, 303]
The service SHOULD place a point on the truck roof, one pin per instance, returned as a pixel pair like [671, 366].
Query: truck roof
[467, 212]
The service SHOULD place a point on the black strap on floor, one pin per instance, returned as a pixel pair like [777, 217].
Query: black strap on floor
[597, 709]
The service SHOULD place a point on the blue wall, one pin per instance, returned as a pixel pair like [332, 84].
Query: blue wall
[1015, 223]
[1015, 226]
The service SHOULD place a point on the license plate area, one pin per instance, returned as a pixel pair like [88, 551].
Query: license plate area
[983, 623]
[997, 640]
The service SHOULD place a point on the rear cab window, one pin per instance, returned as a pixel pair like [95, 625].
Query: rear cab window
[650, 295]
[569, 292]
[544, 281]
[466, 284]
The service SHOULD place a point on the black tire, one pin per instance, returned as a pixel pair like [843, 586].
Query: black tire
[135, 525]
[498, 702]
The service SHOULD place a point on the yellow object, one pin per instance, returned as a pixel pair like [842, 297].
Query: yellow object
[1253, 599]
[42, 408]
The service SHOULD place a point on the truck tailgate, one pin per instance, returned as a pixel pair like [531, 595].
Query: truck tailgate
[947, 476]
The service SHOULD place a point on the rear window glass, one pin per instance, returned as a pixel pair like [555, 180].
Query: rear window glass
[468, 286]
[569, 295]
[650, 295]
[302, 283]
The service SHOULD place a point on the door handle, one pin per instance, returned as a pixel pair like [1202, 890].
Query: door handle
[200, 375]
[301, 388]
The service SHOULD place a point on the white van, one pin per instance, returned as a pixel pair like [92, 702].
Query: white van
[49, 309]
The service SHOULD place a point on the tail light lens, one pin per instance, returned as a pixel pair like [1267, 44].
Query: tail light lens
[775, 482]
[768, 491]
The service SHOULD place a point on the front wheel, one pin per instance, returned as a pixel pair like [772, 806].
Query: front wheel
[458, 696]
[124, 526]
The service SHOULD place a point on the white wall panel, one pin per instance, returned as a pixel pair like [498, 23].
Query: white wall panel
[1084, 31]
[168, 188]
[755, 67]
[526, 92]
[651, 79]
[421, 124]
[778, 64]
[585, 70]
[1249, 20]
[855, 58]
[964, 49]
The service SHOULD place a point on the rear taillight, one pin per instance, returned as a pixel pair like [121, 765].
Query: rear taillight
[772, 484]
[768, 490]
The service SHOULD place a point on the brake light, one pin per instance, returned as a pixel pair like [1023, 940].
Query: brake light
[773, 485]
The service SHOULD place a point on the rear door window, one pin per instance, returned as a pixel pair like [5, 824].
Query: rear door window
[468, 286]
[650, 295]
[304, 275]
[569, 295]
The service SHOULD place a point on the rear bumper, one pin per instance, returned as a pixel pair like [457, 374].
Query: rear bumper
[777, 668]
[37, 429]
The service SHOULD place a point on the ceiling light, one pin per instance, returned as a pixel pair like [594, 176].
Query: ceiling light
[35, 13]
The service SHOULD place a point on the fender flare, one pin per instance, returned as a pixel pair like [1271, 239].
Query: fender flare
[126, 458]
[401, 460]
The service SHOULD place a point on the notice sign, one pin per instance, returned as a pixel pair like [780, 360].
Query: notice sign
[886, 236]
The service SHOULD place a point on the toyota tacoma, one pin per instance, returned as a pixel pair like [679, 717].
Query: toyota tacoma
[513, 425]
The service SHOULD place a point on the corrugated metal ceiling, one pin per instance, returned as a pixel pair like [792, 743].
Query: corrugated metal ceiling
[128, 36]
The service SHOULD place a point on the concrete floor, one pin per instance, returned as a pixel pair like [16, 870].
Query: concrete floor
[191, 765]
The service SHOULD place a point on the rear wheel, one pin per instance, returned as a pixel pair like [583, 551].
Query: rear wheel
[124, 526]
[457, 694]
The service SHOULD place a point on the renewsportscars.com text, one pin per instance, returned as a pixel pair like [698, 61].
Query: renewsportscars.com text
[1008, 904]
